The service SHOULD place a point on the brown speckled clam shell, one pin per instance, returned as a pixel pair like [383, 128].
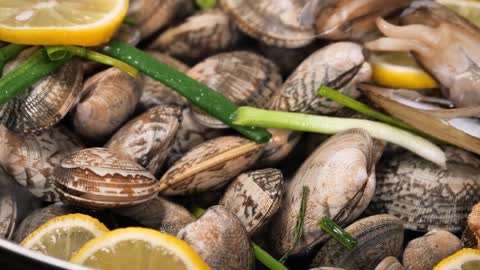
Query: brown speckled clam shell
[99, 178]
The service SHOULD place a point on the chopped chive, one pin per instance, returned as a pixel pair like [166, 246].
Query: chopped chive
[197, 211]
[206, 4]
[330, 227]
[299, 224]
[58, 52]
[199, 94]
[9, 52]
[27, 73]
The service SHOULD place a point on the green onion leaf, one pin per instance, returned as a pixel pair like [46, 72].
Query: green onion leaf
[267, 259]
[206, 4]
[9, 52]
[330, 227]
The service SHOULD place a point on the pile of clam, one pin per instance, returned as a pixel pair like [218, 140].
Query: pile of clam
[131, 151]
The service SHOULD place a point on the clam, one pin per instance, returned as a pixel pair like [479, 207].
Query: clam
[378, 236]
[200, 35]
[286, 59]
[147, 139]
[30, 159]
[339, 65]
[159, 214]
[425, 196]
[390, 263]
[156, 93]
[99, 178]
[243, 77]
[110, 97]
[46, 102]
[254, 197]
[210, 165]
[8, 207]
[272, 21]
[474, 225]
[427, 251]
[340, 175]
[190, 134]
[326, 268]
[469, 239]
[220, 239]
[151, 15]
[280, 145]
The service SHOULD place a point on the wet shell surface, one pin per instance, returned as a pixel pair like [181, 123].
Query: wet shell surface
[156, 93]
[151, 15]
[147, 139]
[202, 34]
[378, 236]
[210, 165]
[110, 97]
[473, 228]
[46, 102]
[390, 263]
[274, 22]
[427, 251]
[244, 78]
[30, 159]
[280, 145]
[254, 197]
[99, 178]
[425, 196]
[159, 214]
[341, 180]
[220, 239]
[339, 65]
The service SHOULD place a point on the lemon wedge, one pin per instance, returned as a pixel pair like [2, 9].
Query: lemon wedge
[62, 236]
[138, 249]
[60, 22]
[465, 259]
[399, 70]
[467, 8]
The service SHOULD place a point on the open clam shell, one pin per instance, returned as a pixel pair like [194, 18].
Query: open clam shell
[210, 165]
[378, 236]
[99, 178]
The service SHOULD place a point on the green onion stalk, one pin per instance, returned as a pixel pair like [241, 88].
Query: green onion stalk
[330, 227]
[9, 52]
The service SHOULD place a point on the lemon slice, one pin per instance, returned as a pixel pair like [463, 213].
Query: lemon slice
[468, 9]
[400, 70]
[465, 259]
[60, 22]
[138, 248]
[62, 236]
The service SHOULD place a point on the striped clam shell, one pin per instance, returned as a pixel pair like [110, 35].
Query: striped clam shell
[151, 15]
[220, 239]
[147, 139]
[156, 93]
[272, 21]
[159, 214]
[99, 178]
[243, 77]
[254, 197]
[340, 175]
[200, 35]
[425, 196]
[46, 102]
[339, 65]
[109, 98]
[378, 236]
[390, 263]
[427, 251]
[210, 165]
[30, 159]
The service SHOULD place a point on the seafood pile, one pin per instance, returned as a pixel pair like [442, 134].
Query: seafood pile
[133, 152]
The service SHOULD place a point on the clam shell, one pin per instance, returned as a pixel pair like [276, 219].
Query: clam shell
[151, 15]
[200, 35]
[254, 197]
[8, 214]
[99, 178]
[378, 236]
[147, 139]
[340, 65]
[280, 145]
[425, 196]
[242, 77]
[110, 97]
[474, 225]
[427, 251]
[390, 263]
[210, 165]
[220, 239]
[271, 21]
[469, 239]
[30, 159]
[159, 214]
[326, 268]
[156, 93]
[341, 179]
[46, 102]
